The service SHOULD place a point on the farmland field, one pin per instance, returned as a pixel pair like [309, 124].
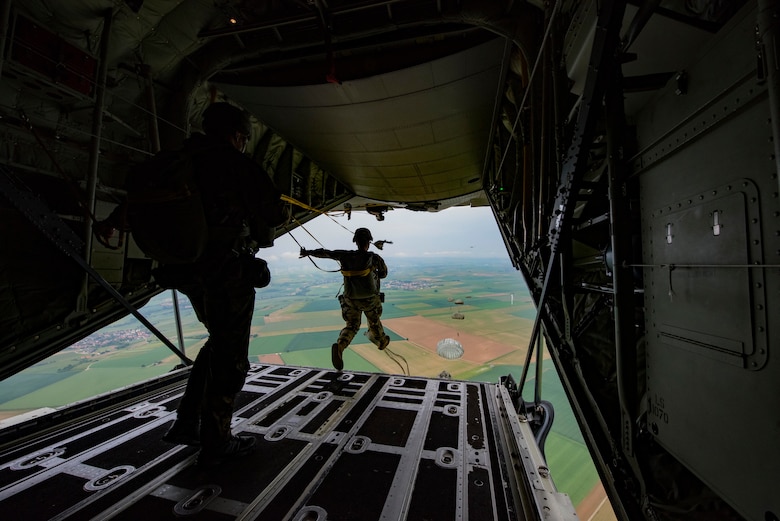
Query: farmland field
[296, 320]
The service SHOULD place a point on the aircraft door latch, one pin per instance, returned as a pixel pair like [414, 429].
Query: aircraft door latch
[716, 222]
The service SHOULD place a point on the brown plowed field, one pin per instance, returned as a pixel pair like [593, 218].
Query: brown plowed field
[426, 333]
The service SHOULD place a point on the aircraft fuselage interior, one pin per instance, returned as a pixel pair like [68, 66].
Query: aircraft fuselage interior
[629, 152]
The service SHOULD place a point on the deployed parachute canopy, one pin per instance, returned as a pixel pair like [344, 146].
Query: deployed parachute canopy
[449, 348]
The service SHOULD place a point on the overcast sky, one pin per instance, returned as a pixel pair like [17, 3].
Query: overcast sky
[456, 231]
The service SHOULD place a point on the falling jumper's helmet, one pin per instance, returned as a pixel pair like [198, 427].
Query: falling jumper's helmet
[223, 119]
[362, 235]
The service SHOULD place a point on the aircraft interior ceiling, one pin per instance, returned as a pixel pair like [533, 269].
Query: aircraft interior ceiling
[629, 152]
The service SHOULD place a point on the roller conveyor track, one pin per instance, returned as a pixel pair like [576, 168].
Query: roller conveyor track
[331, 446]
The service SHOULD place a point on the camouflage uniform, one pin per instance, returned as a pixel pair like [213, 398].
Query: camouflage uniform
[351, 310]
[362, 272]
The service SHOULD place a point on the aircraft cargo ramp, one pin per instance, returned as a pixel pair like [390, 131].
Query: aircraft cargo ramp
[331, 446]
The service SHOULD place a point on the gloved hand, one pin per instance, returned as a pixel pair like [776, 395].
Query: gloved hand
[304, 253]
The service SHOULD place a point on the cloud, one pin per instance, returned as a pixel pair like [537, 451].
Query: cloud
[458, 231]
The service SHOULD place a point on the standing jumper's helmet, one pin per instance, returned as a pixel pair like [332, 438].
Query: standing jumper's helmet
[362, 235]
[223, 119]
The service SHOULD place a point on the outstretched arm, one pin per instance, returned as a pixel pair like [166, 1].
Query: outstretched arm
[320, 253]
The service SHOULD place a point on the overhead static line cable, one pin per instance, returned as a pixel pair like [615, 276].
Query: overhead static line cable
[305, 206]
[291, 200]
[307, 231]
[301, 247]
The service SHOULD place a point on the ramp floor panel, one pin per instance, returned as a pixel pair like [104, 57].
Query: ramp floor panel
[330, 446]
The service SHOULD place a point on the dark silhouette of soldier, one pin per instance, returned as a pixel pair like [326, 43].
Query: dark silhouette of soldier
[242, 206]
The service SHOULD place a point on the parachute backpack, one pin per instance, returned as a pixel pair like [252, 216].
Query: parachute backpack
[164, 208]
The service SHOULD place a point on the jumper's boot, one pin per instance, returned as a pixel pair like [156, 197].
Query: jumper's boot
[234, 447]
[336, 351]
[183, 432]
[379, 342]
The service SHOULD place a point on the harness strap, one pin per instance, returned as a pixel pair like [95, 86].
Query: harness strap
[356, 273]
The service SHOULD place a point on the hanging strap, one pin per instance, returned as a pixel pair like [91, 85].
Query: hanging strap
[356, 273]
[288, 199]
[394, 357]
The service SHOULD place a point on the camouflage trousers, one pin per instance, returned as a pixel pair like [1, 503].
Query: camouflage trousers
[352, 310]
[224, 302]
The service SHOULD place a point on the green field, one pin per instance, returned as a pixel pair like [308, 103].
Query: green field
[321, 358]
[570, 465]
[299, 325]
